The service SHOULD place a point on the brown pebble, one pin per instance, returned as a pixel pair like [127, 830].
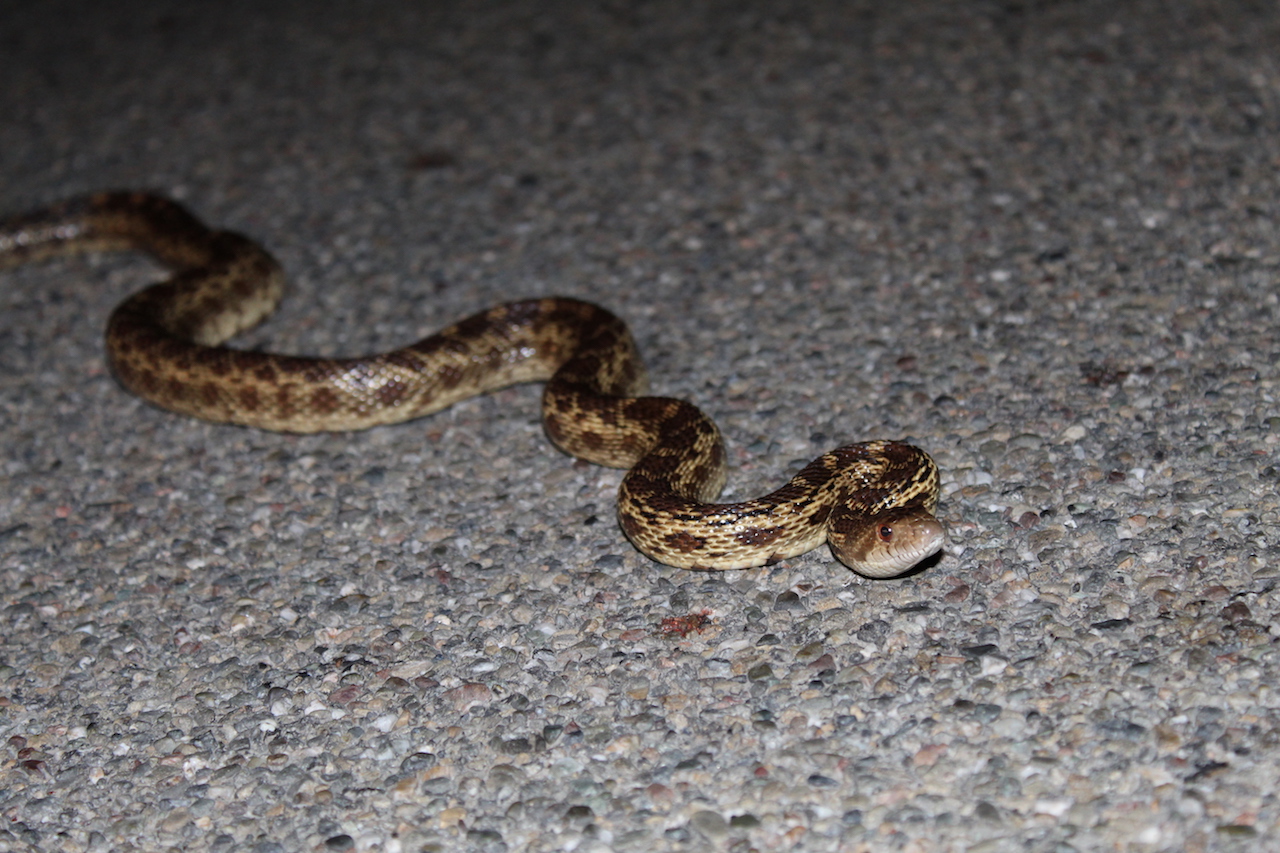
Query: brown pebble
[1236, 611]
[1217, 592]
[823, 663]
[467, 696]
[345, 695]
[660, 794]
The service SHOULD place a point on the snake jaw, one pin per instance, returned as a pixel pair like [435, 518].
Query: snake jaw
[895, 543]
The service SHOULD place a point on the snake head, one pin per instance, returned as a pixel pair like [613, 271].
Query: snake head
[886, 544]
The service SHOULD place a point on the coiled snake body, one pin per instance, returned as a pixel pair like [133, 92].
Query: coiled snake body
[873, 501]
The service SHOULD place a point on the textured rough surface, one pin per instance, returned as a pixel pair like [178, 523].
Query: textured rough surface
[1040, 242]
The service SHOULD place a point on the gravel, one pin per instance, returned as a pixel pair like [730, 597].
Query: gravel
[1040, 241]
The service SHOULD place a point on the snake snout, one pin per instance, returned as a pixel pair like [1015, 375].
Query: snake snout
[891, 544]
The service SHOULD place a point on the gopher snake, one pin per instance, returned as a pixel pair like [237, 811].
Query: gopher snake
[873, 502]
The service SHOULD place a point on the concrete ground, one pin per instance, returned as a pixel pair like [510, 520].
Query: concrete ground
[1038, 239]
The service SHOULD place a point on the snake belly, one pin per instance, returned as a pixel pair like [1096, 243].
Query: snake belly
[873, 502]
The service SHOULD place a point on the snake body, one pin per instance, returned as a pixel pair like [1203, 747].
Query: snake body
[872, 501]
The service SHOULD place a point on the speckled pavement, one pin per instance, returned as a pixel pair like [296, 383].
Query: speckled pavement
[1039, 240]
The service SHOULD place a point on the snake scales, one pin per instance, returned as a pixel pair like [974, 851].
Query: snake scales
[873, 501]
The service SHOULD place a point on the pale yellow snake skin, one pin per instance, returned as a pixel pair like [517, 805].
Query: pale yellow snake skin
[873, 501]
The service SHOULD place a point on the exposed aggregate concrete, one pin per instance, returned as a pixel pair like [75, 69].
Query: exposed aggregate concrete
[1038, 240]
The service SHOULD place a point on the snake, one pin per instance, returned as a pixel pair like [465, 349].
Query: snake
[873, 502]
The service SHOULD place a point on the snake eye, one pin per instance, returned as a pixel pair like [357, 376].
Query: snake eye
[886, 533]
